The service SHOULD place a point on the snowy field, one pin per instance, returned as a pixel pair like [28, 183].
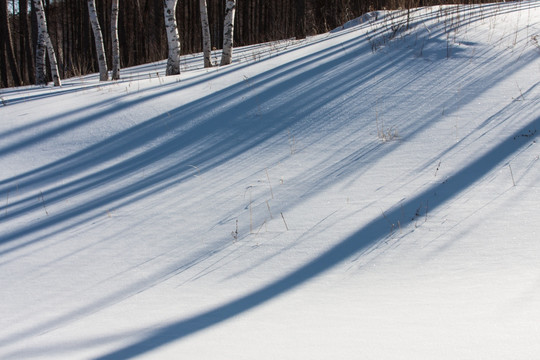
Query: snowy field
[369, 193]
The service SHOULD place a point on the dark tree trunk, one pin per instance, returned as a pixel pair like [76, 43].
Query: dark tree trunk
[300, 31]
[7, 51]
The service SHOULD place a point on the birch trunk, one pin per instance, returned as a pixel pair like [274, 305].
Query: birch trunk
[44, 42]
[115, 41]
[228, 32]
[41, 58]
[207, 44]
[173, 39]
[98, 39]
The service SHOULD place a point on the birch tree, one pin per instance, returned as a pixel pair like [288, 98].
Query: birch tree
[115, 41]
[173, 39]
[44, 42]
[98, 39]
[207, 44]
[228, 32]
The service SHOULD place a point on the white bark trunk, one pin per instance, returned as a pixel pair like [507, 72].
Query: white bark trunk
[228, 32]
[173, 39]
[52, 59]
[207, 43]
[44, 42]
[115, 41]
[98, 39]
[41, 60]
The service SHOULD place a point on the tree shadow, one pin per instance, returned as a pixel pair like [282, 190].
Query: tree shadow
[259, 110]
[241, 121]
[374, 231]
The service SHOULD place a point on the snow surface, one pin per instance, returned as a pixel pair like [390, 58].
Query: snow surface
[369, 193]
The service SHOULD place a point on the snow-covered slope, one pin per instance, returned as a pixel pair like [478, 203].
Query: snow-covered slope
[372, 192]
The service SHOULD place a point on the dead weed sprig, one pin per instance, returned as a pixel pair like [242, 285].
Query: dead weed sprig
[385, 133]
[235, 232]
[42, 199]
[292, 142]
[534, 40]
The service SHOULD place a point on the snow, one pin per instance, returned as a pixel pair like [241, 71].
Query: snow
[383, 180]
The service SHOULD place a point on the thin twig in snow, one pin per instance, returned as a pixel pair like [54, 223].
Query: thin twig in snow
[512, 174]
[286, 227]
[269, 184]
[268, 206]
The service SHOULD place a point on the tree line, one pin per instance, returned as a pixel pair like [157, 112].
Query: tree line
[48, 40]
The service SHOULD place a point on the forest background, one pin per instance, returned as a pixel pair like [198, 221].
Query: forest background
[142, 30]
